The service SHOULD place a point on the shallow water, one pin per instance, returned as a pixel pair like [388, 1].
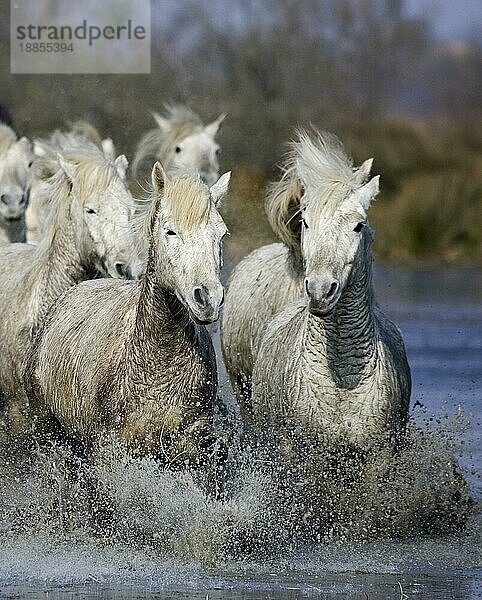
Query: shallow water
[47, 550]
[275, 587]
[440, 315]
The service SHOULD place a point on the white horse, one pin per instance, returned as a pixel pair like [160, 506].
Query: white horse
[331, 363]
[181, 141]
[143, 363]
[83, 137]
[88, 233]
[15, 176]
[271, 276]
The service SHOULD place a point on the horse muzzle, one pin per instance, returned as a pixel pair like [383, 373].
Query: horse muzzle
[322, 294]
[205, 303]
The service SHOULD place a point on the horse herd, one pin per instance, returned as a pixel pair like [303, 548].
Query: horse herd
[104, 310]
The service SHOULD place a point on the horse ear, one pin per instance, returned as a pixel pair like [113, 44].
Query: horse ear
[158, 178]
[213, 128]
[162, 123]
[108, 148]
[25, 146]
[366, 193]
[24, 141]
[67, 166]
[363, 171]
[121, 163]
[38, 149]
[220, 188]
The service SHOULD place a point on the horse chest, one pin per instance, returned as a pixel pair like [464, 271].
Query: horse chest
[166, 391]
[352, 403]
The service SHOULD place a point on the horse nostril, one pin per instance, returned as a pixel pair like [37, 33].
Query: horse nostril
[123, 270]
[201, 297]
[307, 286]
[3, 198]
[333, 289]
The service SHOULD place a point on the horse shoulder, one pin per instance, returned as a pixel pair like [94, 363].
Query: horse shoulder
[82, 338]
[395, 359]
[260, 285]
[278, 376]
[18, 292]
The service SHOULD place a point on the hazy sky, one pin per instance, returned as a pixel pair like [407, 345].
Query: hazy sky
[451, 19]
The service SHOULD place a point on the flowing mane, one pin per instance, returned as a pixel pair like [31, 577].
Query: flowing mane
[282, 203]
[317, 163]
[159, 143]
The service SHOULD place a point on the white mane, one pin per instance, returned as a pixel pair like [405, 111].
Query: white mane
[323, 166]
[317, 163]
[61, 142]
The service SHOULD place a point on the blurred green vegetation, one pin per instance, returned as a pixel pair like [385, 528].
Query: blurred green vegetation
[430, 205]
[368, 70]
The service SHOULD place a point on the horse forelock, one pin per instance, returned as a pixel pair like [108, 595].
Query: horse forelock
[324, 168]
[183, 119]
[188, 201]
[94, 173]
[185, 200]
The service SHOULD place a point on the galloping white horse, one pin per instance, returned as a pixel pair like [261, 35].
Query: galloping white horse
[331, 363]
[143, 362]
[271, 276]
[181, 141]
[83, 137]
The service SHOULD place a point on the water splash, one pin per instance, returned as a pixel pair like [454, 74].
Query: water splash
[133, 512]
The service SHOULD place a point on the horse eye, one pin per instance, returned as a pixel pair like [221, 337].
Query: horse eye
[359, 227]
[90, 211]
[30, 164]
[218, 151]
[170, 232]
[178, 149]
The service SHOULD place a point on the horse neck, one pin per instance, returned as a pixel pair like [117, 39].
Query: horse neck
[160, 315]
[295, 261]
[350, 329]
[61, 264]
